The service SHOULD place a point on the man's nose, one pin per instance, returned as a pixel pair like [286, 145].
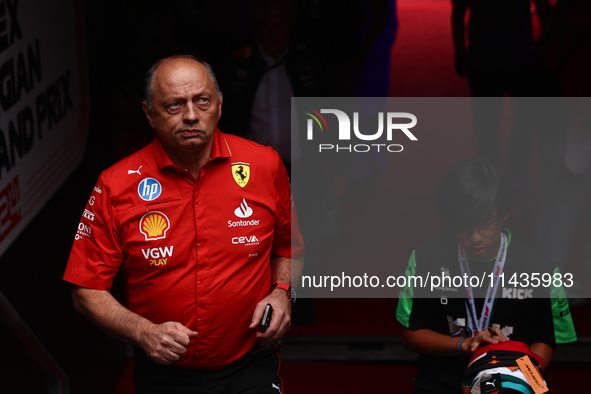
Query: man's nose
[190, 115]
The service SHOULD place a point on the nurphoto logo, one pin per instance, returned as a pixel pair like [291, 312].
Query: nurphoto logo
[390, 119]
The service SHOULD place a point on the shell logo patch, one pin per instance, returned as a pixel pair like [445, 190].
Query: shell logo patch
[154, 225]
[241, 173]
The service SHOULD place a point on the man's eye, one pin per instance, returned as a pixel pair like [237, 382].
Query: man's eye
[202, 100]
[173, 105]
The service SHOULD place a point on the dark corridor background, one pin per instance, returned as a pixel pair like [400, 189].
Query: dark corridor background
[123, 39]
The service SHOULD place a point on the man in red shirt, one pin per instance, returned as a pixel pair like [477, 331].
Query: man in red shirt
[200, 225]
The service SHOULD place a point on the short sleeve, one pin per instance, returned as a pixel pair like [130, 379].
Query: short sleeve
[288, 241]
[96, 255]
[410, 310]
[564, 328]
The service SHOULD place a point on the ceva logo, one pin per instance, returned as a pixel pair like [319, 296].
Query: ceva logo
[344, 133]
[247, 241]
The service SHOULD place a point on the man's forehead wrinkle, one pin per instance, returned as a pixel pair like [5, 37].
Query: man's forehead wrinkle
[183, 80]
[183, 87]
[167, 90]
[185, 91]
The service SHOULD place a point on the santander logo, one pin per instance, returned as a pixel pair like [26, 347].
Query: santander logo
[243, 211]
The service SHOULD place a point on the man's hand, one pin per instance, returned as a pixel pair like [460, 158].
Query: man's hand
[165, 343]
[489, 335]
[280, 321]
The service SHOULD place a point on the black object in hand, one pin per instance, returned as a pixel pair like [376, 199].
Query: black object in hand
[267, 318]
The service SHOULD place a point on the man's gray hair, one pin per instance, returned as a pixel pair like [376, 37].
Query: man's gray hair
[149, 81]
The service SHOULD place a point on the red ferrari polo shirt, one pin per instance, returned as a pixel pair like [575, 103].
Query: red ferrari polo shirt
[197, 253]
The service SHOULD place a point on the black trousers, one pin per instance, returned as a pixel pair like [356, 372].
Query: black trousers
[254, 373]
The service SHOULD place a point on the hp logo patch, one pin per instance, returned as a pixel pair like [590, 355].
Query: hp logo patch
[149, 189]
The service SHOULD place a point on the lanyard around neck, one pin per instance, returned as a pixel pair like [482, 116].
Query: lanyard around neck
[474, 323]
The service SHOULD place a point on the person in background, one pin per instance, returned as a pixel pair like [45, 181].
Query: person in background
[447, 324]
[495, 57]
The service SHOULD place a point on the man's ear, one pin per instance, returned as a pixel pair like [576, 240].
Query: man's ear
[220, 105]
[148, 114]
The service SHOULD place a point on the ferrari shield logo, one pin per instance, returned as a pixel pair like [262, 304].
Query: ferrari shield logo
[241, 173]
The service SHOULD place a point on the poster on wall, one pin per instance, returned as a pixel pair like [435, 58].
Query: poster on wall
[43, 106]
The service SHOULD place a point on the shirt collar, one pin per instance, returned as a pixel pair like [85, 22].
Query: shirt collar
[219, 149]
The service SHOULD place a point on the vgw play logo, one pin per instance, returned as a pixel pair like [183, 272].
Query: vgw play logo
[392, 120]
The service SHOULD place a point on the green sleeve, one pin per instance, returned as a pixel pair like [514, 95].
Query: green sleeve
[564, 329]
[406, 294]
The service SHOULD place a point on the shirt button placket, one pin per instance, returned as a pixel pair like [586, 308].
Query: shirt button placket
[198, 244]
